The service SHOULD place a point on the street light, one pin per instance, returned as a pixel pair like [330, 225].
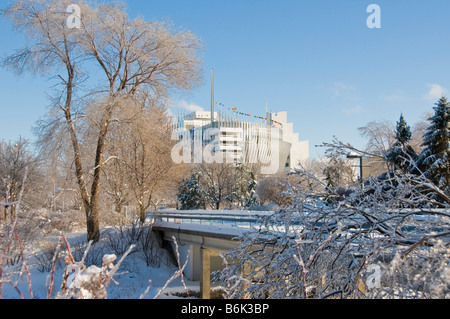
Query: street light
[357, 156]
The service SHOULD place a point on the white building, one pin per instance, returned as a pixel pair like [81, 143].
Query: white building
[196, 119]
[298, 151]
[248, 142]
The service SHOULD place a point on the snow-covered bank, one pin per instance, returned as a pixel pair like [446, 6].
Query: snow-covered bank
[134, 278]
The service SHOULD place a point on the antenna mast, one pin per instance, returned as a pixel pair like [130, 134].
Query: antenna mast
[212, 96]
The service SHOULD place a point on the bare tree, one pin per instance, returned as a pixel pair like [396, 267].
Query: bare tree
[272, 189]
[217, 180]
[380, 136]
[133, 56]
[142, 171]
[339, 172]
[15, 162]
[418, 131]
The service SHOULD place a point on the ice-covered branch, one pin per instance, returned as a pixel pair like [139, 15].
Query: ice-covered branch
[323, 244]
[177, 274]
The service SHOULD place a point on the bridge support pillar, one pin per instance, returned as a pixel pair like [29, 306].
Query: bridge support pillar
[205, 280]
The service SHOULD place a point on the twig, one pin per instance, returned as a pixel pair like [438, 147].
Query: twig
[3, 273]
[116, 267]
[179, 265]
[146, 290]
[422, 241]
[86, 252]
[14, 232]
[52, 274]
[177, 274]
[55, 259]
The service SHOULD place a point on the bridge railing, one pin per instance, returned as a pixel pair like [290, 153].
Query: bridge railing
[210, 218]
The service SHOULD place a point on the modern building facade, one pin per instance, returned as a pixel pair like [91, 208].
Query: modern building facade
[271, 143]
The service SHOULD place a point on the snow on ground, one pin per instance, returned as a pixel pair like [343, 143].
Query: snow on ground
[133, 275]
[135, 283]
[132, 279]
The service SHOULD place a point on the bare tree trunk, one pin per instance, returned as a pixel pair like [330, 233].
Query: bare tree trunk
[78, 164]
[218, 204]
[118, 207]
[93, 225]
[142, 212]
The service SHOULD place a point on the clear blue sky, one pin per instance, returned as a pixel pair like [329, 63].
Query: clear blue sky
[315, 59]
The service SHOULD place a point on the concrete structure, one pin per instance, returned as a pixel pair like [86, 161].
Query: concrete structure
[298, 150]
[203, 247]
[202, 235]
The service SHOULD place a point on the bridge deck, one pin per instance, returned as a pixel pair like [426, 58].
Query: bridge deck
[227, 233]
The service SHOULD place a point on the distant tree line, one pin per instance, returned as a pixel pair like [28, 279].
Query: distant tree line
[217, 186]
[421, 151]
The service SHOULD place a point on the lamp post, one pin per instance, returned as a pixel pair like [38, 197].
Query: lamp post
[356, 156]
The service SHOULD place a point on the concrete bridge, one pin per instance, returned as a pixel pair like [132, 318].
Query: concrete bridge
[204, 234]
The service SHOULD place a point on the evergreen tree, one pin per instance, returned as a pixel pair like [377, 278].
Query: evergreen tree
[403, 134]
[190, 194]
[434, 159]
[401, 154]
[244, 188]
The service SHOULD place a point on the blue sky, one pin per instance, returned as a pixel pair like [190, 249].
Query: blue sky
[315, 59]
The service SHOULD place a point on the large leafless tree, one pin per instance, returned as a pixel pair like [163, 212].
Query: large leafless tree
[126, 56]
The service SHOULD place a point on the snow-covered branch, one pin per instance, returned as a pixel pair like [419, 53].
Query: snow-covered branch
[324, 243]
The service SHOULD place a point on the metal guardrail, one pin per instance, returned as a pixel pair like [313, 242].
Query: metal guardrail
[244, 220]
[249, 219]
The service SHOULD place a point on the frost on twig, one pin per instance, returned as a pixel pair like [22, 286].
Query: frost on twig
[325, 244]
[10, 240]
[178, 274]
[81, 282]
[233, 284]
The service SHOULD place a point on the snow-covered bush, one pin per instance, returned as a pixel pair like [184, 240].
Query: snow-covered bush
[422, 273]
[82, 282]
[87, 271]
[118, 239]
[45, 257]
[13, 262]
[90, 282]
[327, 245]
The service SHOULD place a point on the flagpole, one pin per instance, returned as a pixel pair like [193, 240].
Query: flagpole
[212, 97]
